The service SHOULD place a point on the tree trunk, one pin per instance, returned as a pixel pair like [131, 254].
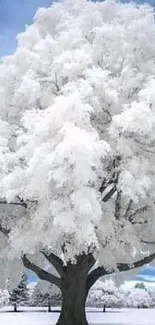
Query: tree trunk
[75, 281]
[74, 292]
[15, 308]
[49, 305]
[73, 307]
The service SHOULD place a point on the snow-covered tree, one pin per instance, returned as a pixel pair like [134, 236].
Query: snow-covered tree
[37, 297]
[77, 144]
[55, 299]
[140, 285]
[41, 299]
[54, 296]
[4, 298]
[138, 298]
[151, 292]
[105, 293]
[31, 286]
[20, 295]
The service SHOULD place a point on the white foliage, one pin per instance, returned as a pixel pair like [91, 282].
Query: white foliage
[77, 106]
[138, 298]
[4, 298]
[105, 293]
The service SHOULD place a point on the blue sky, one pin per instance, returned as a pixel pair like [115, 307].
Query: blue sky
[147, 274]
[15, 14]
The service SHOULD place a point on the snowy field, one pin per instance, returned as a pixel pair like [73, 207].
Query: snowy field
[39, 316]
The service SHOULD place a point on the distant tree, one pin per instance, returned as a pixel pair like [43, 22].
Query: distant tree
[37, 297]
[138, 298]
[151, 292]
[55, 299]
[41, 299]
[31, 287]
[105, 293]
[4, 298]
[140, 285]
[54, 296]
[20, 295]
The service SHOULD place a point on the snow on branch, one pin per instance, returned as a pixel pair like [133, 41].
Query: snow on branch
[130, 215]
[109, 194]
[19, 202]
[105, 184]
[112, 181]
[128, 210]
[140, 210]
[118, 205]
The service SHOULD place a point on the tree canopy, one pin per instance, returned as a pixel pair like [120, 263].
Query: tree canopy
[77, 136]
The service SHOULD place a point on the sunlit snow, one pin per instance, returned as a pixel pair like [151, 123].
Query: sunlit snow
[94, 316]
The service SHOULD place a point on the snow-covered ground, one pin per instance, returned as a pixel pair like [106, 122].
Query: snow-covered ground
[39, 316]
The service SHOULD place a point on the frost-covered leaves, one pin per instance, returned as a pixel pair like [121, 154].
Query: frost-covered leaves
[77, 111]
[105, 293]
[108, 294]
[138, 298]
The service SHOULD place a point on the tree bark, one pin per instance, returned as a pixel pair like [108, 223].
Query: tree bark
[42, 274]
[73, 303]
[74, 292]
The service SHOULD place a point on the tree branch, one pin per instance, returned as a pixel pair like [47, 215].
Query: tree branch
[139, 222]
[56, 262]
[140, 210]
[94, 275]
[21, 203]
[105, 184]
[113, 180]
[148, 242]
[118, 206]
[128, 210]
[109, 194]
[126, 267]
[42, 274]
